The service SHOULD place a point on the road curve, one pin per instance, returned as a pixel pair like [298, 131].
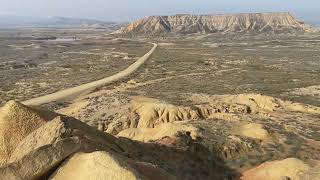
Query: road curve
[63, 94]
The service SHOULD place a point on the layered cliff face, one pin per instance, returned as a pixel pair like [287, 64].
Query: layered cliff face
[187, 24]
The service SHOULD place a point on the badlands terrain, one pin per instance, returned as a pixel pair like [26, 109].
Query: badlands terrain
[227, 103]
[229, 23]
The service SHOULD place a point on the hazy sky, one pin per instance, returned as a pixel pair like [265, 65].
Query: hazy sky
[127, 10]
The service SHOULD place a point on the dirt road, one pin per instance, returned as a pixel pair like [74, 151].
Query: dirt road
[63, 94]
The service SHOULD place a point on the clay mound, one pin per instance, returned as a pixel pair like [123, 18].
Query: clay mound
[153, 112]
[96, 165]
[277, 170]
[256, 102]
[16, 122]
[230, 23]
[159, 132]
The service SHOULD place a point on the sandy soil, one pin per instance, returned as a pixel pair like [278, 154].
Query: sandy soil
[89, 86]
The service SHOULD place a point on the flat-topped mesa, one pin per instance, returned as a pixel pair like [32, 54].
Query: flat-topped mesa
[279, 22]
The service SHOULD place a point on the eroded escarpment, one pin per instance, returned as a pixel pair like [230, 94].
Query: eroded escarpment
[278, 22]
[242, 130]
[148, 112]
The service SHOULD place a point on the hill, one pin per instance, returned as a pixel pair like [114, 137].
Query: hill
[230, 23]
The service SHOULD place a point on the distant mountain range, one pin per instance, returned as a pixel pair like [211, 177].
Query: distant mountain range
[9, 21]
[278, 22]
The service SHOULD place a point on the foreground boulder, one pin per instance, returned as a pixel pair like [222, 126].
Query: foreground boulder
[44, 149]
[96, 165]
[16, 122]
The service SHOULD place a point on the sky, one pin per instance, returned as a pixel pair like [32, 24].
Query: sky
[128, 10]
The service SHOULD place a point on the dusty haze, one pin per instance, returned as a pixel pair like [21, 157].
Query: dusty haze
[126, 10]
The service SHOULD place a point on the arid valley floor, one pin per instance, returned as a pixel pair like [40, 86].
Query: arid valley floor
[243, 100]
[31, 67]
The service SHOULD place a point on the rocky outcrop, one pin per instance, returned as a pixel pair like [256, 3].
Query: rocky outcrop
[64, 147]
[46, 147]
[159, 132]
[150, 113]
[230, 23]
[96, 165]
[16, 122]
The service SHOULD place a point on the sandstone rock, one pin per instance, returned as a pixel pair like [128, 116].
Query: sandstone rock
[106, 165]
[16, 122]
[159, 132]
[38, 163]
[277, 170]
[43, 149]
[230, 23]
[153, 112]
[149, 113]
[96, 165]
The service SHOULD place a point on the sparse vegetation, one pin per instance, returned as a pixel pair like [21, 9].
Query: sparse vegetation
[25, 63]
[184, 75]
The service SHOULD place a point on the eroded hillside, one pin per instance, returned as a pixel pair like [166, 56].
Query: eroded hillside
[233, 23]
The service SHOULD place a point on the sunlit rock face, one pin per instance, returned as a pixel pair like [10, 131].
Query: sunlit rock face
[230, 23]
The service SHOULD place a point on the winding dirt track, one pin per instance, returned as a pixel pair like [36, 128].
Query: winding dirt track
[63, 94]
